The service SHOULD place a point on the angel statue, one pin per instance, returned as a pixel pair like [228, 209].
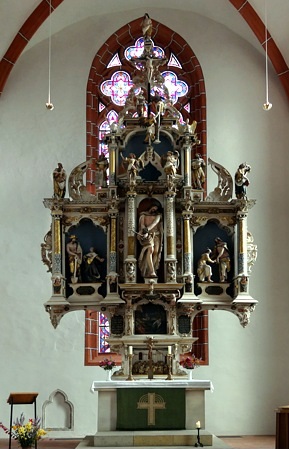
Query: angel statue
[133, 166]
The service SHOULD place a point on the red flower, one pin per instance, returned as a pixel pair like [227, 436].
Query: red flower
[190, 362]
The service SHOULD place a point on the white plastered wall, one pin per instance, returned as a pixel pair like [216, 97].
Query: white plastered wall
[248, 367]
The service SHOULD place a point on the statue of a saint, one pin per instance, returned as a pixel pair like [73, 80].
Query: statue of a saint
[170, 162]
[101, 171]
[204, 270]
[198, 174]
[242, 181]
[74, 252]
[90, 269]
[150, 236]
[222, 257]
[59, 181]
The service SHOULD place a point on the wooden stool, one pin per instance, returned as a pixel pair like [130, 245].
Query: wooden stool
[21, 398]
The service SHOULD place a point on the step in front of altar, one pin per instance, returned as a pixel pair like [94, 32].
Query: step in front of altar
[146, 438]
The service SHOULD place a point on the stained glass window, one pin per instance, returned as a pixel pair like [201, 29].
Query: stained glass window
[104, 128]
[174, 62]
[114, 62]
[176, 87]
[187, 107]
[103, 327]
[136, 50]
[117, 87]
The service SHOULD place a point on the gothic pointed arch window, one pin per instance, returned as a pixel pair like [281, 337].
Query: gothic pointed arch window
[110, 79]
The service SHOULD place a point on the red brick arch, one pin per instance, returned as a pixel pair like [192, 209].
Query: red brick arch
[41, 12]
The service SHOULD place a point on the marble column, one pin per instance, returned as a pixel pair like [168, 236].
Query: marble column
[58, 277]
[242, 244]
[130, 262]
[170, 256]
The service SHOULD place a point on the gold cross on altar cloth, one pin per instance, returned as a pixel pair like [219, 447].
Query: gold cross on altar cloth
[151, 402]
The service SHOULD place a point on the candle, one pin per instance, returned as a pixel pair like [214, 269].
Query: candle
[198, 424]
[130, 350]
[169, 350]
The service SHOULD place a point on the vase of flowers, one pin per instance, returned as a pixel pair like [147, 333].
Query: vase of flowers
[108, 365]
[189, 364]
[25, 433]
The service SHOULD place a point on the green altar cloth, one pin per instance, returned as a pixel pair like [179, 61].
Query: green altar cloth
[151, 409]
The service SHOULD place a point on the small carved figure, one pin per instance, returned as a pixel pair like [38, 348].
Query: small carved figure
[189, 283]
[190, 129]
[74, 252]
[204, 270]
[150, 237]
[57, 285]
[90, 269]
[241, 180]
[222, 257]
[77, 189]
[130, 271]
[198, 174]
[224, 189]
[133, 166]
[149, 70]
[140, 104]
[159, 102]
[147, 26]
[46, 251]
[59, 182]
[170, 162]
[171, 269]
[101, 171]
[244, 284]
[151, 130]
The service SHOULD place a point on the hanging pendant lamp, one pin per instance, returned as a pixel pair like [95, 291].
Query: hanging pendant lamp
[49, 104]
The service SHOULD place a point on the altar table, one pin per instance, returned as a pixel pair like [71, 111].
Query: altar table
[150, 400]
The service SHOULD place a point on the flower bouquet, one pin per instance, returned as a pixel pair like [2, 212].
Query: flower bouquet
[26, 434]
[190, 362]
[107, 364]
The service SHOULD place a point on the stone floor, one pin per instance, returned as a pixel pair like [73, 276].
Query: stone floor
[232, 442]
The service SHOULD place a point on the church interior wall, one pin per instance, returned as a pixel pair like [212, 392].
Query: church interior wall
[248, 367]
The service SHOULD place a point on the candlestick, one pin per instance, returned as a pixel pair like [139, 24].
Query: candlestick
[169, 350]
[130, 377]
[198, 427]
[169, 356]
[130, 350]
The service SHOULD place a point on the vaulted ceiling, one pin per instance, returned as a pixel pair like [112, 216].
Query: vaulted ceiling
[21, 24]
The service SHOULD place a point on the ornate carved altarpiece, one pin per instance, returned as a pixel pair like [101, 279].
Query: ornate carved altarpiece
[147, 246]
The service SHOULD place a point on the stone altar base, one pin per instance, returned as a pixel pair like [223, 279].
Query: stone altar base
[151, 438]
